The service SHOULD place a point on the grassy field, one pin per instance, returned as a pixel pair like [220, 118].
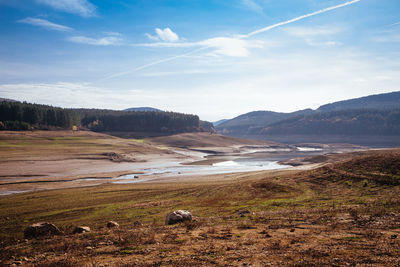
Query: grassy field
[345, 213]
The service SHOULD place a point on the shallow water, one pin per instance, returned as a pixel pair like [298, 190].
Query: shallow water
[257, 160]
[229, 166]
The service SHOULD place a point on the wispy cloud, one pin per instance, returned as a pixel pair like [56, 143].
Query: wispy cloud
[115, 75]
[387, 38]
[395, 24]
[253, 5]
[64, 94]
[103, 41]
[228, 46]
[312, 31]
[45, 24]
[166, 35]
[315, 36]
[237, 46]
[80, 7]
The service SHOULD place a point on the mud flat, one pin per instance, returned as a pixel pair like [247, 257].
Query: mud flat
[46, 160]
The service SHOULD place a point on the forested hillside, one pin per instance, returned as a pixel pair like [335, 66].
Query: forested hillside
[25, 116]
[253, 121]
[344, 122]
[370, 115]
[381, 101]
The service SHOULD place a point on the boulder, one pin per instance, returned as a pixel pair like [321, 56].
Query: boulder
[112, 224]
[41, 229]
[81, 229]
[178, 216]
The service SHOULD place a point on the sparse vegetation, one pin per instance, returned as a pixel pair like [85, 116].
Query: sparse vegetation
[304, 218]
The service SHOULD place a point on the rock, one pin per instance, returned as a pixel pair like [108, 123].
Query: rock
[41, 229]
[137, 224]
[178, 216]
[112, 224]
[81, 229]
[242, 213]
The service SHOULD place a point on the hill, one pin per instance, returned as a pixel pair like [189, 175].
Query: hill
[253, 121]
[372, 120]
[346, 122]
[380, 101]
[216, 123]
[144, 109]
[26, 116]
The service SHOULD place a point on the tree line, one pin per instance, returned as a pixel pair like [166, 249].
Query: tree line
[26, 116]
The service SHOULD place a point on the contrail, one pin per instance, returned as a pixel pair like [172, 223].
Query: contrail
[151, 64]
[299, 18]
[245, 36]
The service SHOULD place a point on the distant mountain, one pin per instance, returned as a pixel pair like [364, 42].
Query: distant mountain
[145, 109]
[216, 123]
[370, 120]
[256, 120]
[381, 101]
[341, 122]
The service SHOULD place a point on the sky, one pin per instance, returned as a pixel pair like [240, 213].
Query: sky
[214, 58]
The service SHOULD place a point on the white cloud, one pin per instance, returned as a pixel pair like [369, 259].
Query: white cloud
[315, 36]
[45, 24]
[104, 41]
[64, 94]
[312, 31]
[277, 81]
[387, 37]
[166, 35]
[238, 46]
[80, 7]
[252, 5]
[226, 46]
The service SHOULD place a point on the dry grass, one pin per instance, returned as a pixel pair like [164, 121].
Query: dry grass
[304, 218]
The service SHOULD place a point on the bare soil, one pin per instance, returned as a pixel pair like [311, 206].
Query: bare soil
[345, 213]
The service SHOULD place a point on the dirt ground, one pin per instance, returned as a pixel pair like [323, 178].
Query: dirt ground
[39, 160]
[344, 211]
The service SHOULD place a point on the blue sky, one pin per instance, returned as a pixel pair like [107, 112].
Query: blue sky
[214, 58]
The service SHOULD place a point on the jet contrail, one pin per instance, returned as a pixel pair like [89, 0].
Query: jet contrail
[245, 36]
[299, 18]
[151, 64]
